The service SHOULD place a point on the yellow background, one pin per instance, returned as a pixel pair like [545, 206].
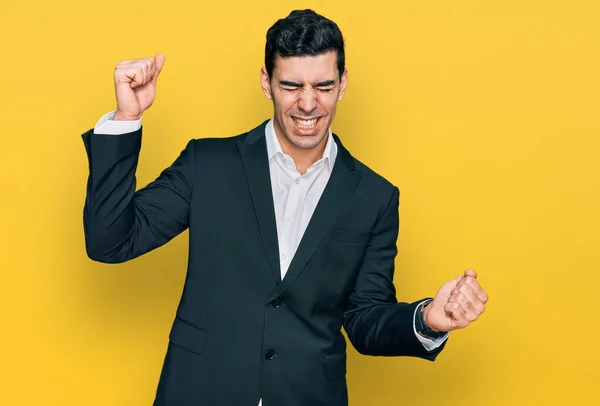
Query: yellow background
[484, 113]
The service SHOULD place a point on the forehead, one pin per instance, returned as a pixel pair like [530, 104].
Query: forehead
[306, 68]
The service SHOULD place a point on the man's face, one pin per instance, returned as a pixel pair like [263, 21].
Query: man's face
[305, 91]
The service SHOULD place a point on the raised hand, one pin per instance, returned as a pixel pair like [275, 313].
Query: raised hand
[135, 86]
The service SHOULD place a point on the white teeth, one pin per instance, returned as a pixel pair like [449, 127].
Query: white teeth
[305, 123]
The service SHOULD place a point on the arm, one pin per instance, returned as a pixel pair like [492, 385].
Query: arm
[119, 223]
[374, 320]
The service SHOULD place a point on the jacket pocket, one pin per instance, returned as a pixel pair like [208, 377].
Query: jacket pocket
[350, 236]
[335, 365]
[187, 336]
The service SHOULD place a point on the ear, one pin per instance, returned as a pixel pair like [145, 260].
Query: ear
[343, 84]
[265, 83]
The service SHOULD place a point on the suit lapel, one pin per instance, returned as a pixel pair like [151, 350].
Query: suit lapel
[253, 150]
[341, 184]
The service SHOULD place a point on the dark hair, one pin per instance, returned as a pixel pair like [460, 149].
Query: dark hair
[303, 33]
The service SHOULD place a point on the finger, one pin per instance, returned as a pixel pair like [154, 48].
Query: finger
[473, 297]
[464, 304]
[130, 64]
[132, 74]
[159, 62]
[476, 287]
[138, 76]
[147, 70]
[471, 273]
[465, 293]
[469, 302]
[133, 61]
[150, 69]
[137, 72]
[457, 314]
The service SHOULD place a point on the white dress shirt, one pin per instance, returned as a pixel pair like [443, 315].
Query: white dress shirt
[295, 196]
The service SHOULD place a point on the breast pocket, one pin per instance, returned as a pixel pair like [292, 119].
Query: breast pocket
[343, 258]
[340, 235]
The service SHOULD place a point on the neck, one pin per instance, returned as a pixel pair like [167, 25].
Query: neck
[303, 157]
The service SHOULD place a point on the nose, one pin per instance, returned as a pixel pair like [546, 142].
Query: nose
[307, 101]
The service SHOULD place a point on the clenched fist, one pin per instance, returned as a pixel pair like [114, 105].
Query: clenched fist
[135, 86]
[458, 303]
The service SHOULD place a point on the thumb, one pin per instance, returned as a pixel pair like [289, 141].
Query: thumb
[159, 62]
[471, 273]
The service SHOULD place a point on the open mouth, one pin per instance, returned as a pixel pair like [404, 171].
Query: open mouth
[306, 124]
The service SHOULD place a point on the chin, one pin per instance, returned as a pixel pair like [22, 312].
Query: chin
[307, 141]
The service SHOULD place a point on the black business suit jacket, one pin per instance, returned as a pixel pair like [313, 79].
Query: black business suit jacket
[240, 332]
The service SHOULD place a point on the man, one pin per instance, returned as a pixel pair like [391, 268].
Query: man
[291, 237]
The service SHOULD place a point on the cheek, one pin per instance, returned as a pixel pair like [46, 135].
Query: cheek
[283, 103]
[328, 101]
[329, 108]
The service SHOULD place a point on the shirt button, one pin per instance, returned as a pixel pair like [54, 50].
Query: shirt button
[297, 181]
[284, 256]
[276, 303]
[269, 355]
[290, 219]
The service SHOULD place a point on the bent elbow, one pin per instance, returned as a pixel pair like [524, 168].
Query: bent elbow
[97, 252]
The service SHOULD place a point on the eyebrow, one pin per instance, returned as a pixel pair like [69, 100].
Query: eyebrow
[289, 83]
[325, 83]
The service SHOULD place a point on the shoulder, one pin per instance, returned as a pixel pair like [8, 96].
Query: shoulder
[378, 191]
[373, 182]
[373, 178]
[211, 148]
[208, 146]
[215, 144]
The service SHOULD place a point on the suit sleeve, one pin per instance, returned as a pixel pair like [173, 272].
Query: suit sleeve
[119, 222]
[376, 323]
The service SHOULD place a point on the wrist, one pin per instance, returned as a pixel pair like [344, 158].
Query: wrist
[425, 311]
[126, 117]
[421, 325]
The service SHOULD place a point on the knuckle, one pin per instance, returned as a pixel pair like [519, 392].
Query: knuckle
[466, 289]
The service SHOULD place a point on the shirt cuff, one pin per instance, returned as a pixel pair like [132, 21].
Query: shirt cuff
[106, 125]
[430, 344]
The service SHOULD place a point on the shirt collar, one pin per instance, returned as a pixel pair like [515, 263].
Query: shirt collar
[274, 146]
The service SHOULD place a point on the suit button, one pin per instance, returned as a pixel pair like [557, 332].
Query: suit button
[276, 303]
[269, 354]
